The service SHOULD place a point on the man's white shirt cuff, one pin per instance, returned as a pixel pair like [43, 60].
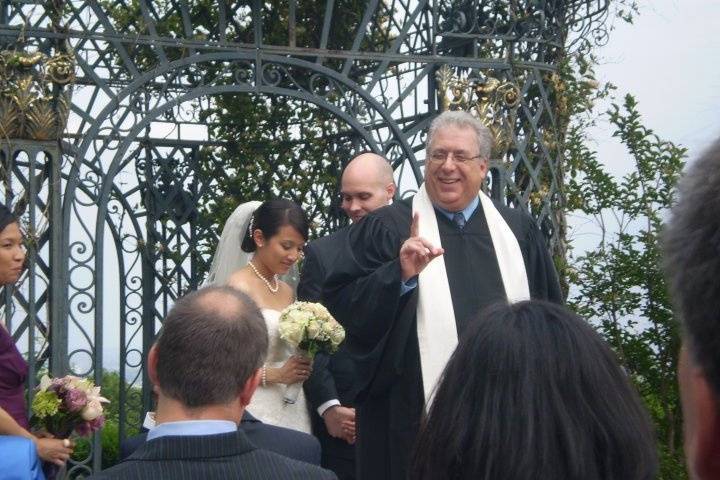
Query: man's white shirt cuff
[330, 403]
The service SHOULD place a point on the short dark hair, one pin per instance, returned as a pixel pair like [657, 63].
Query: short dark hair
[270, 216]
[691, 243]
[211, 343]
[532, 391]
[7, 217]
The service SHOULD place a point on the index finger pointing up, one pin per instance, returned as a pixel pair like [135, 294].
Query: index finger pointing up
[415, 225]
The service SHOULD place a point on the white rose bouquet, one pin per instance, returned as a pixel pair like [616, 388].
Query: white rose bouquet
[309, 328]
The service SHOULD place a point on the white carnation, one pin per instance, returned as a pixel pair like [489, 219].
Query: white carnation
[291, 332]
[314, 329]
[337, 336]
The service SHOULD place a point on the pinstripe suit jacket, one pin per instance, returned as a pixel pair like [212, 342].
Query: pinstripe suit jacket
[227, 455]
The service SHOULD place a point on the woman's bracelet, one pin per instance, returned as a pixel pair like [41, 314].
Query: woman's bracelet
[263, 376]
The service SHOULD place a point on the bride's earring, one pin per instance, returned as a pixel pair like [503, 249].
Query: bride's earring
[258, 238]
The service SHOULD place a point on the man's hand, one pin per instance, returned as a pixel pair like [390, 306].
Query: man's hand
[340, 422]
[416, 252]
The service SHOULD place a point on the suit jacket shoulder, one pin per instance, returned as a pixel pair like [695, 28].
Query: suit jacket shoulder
[283, 467]
[229, 455]
[290, 443]
[284, 441]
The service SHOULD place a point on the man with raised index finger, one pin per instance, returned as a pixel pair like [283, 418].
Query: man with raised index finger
[413, 275]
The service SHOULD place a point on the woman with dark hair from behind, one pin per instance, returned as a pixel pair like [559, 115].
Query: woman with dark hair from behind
[533, 392]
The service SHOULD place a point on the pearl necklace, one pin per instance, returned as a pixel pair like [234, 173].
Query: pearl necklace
[267, 282]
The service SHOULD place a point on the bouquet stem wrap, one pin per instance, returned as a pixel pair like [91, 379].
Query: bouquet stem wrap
[292, 391]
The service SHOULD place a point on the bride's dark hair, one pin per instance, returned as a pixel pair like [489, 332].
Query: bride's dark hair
[270, 216]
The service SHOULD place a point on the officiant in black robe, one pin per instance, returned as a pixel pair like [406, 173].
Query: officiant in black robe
[375, 286]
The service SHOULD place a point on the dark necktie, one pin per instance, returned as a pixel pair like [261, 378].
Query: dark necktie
[459, 220]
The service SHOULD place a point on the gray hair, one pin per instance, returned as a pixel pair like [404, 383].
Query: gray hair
[212, 342]
[691, 242]
[462, 119]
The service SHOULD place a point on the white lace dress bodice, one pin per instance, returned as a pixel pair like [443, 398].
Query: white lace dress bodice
[267, 404]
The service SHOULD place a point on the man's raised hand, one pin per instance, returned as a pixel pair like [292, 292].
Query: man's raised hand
[416, 252]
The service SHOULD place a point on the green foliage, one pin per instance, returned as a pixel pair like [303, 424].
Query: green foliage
[286, 147]
[275, 148]
[110, 433]
[264, 146]
[203, 22]
[619, 285]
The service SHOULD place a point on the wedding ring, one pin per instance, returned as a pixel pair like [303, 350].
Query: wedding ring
[66, 442]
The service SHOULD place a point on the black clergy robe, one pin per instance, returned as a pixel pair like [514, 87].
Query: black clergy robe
[364, 291]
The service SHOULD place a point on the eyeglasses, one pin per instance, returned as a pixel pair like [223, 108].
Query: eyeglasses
[440, 156]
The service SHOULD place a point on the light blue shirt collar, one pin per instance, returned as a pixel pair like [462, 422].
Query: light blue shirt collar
[191, 428]
[467, 211]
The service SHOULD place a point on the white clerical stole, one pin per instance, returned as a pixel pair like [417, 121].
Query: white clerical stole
[436, 327]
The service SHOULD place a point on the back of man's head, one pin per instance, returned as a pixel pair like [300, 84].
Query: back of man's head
[212, 342]
[692, 263]
[692, 257]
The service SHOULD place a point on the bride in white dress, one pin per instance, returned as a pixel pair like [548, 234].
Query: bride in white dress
[259, 243]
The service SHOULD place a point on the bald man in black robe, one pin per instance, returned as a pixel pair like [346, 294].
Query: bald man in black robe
[374, 286]
[366, 185]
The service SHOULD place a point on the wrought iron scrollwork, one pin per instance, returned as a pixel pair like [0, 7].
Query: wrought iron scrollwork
[151, 77]
[548, 22]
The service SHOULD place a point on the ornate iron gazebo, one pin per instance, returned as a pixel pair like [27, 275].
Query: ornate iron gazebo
[115, 147]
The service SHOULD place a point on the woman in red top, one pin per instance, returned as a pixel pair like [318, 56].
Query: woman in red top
[13, 367]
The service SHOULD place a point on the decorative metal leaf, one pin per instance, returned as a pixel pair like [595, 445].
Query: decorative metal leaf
[9, 119]
[41, 121]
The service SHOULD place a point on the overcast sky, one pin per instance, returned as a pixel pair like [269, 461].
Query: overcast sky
[669, 59]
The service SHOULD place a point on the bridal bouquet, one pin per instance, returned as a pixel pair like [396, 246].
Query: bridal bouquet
[62, 405]
[309, 328]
